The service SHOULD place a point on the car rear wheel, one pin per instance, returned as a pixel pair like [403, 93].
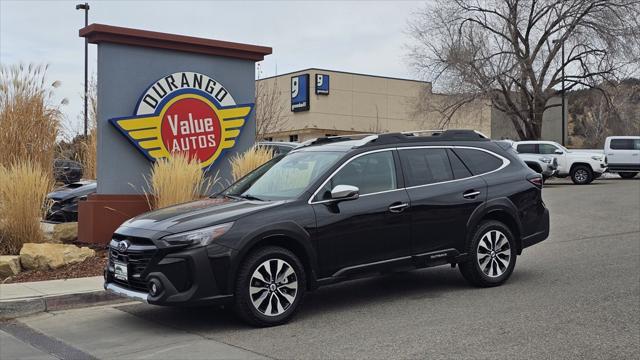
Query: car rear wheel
[581, 175]
[492, 255]
[628, 175]
[269, 287]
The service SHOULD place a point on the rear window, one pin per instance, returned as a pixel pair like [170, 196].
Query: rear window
[425, 166]
[625, 144]
[527, 149]
[478, 161]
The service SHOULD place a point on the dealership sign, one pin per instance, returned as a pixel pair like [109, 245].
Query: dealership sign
[185, 112]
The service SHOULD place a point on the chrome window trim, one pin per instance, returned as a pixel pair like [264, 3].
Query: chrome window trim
[505, 163]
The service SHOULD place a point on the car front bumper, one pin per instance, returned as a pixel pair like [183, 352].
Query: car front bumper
[182, 276]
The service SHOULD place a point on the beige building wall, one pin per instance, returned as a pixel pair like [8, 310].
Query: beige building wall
[359, 103]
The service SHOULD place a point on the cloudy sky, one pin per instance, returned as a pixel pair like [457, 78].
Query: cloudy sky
[358, 36]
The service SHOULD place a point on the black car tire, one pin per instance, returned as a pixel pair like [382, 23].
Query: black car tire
[581, 175]
[244, 300]
[628, 175]
[472, 270]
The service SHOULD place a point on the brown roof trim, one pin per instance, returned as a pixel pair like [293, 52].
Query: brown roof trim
[97, 33]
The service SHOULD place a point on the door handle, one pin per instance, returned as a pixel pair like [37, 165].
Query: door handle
[470, 194]
[398, 207]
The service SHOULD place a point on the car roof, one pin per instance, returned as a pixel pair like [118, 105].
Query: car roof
[623, 137]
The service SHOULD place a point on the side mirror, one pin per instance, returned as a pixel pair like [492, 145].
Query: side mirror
[558, 152]
[345, 192]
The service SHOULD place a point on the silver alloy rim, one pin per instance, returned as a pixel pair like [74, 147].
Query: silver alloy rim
[494, 253]
[273, 287]
[581, 175]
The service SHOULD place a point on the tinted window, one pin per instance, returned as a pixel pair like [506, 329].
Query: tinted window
[623, 144]
[370, 173]
[425, 166]
[478, 161]
[459, 170]
[547, 149]
[527, 148]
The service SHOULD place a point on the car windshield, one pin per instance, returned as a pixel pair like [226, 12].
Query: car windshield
[285, 177]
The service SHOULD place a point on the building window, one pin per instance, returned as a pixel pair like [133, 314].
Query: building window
[268, 139]
[293, 138]
[330, 135]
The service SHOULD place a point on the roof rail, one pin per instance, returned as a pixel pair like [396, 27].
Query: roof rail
[364, 138]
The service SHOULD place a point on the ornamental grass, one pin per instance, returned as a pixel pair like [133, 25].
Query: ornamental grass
[176, 180]
[244, 163]
[23, 201]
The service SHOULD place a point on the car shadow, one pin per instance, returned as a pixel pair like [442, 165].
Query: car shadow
[346, 296]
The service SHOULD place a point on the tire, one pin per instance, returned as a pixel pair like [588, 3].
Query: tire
[581, 174]
[274, 304]
[628, 175]
[490, 269]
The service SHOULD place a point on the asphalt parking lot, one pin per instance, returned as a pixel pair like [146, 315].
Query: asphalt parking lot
[576, 295]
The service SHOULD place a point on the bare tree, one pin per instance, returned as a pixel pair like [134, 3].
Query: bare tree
[509, 51]
[269, 108]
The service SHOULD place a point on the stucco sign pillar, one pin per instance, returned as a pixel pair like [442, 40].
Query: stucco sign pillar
[159, 94]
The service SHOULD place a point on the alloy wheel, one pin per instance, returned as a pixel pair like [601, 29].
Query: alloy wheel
[581, 175]
[493, 253]
[273, 287]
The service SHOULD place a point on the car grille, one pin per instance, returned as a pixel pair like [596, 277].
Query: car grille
[137, 260]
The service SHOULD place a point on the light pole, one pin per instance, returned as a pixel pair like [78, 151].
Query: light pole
[85, 7]
[564, 124]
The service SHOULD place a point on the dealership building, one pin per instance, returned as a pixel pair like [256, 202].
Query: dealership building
[318, 102]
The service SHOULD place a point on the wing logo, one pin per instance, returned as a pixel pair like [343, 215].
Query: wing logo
[188, 113]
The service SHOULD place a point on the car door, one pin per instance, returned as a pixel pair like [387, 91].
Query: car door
[372, 228]
[443, 194]
[557, 153]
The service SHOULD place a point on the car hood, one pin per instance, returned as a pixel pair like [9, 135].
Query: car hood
[197, 214]
[71, 191]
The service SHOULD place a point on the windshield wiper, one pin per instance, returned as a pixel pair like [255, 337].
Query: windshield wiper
[250, 197]
[235, 197]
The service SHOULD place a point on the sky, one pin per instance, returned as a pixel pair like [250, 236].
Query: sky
[358, 36]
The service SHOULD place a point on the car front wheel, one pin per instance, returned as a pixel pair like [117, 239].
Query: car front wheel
[581, 175]
[270, 286]
[492, 255]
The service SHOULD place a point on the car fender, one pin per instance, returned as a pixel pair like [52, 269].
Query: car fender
[285, 229]
[498, 205]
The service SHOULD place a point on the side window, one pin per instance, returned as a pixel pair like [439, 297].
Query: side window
[622, 144]
[425, 166]
[460, 171]
[547, 149]
[637, 144]
[527, 149]
[370, 173]
[479, 162]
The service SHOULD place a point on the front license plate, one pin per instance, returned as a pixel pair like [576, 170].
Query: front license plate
[121, 271]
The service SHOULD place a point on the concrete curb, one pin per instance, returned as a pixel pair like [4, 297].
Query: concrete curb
[12, 309]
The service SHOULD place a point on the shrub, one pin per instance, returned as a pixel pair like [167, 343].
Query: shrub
[29, 123]
[23, 200]
[176, 180]
[244, 163]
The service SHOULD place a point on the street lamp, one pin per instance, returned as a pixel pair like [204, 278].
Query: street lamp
[564, 124]
[85, 7]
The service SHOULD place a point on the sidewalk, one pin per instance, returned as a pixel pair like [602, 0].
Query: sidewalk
[22, 299]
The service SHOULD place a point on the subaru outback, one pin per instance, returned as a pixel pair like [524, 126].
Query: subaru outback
[331, 210]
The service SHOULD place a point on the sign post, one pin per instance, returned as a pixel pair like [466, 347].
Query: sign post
[159, 94]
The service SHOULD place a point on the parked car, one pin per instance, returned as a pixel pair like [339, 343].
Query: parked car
[64, 207]
[582, 166]
[67, 171]
[544, 165]
[623, 155]
[335, 209]
[279, 147]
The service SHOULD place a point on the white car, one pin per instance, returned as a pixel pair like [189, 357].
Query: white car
[546, 166]
[582, 166]
[623, 155]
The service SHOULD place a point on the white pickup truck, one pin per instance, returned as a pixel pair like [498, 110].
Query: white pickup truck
[582, 166]
[623, 155]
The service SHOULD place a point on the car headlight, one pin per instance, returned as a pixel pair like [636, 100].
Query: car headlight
[202, 236]
[546, 160]
[597, 158]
